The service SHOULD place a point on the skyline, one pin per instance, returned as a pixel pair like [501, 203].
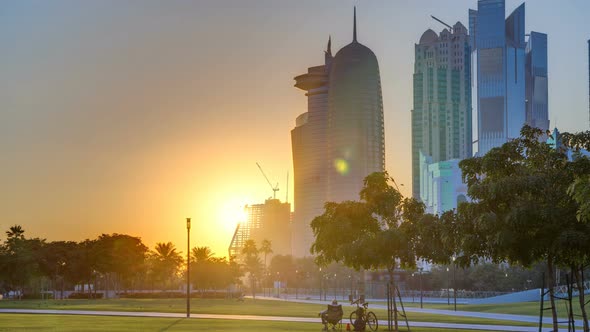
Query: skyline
[107, 124]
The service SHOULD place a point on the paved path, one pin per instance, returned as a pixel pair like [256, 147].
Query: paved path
[382, 323]
[473, 314]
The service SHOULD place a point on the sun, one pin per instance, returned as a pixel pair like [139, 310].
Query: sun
[231, 213]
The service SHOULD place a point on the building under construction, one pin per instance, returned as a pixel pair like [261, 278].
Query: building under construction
[270, 221]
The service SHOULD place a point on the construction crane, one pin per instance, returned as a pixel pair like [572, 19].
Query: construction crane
[275, 188]
[443, 23]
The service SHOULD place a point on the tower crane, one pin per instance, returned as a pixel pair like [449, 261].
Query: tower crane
[443, 23]
[275, 188]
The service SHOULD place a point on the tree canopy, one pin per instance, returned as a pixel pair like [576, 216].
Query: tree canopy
[521, 210]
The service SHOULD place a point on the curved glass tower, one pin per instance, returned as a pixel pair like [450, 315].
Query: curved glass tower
[356, 145]
[339, 140]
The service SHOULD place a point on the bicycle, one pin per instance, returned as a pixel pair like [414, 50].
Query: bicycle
[369, 317]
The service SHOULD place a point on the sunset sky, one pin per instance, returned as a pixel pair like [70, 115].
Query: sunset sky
[129, 116]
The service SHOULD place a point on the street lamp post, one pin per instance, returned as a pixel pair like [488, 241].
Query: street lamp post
[351, 288]
[296, 284]
[454, 283]
[320, 277]
[279, 285]
[413, 288]
[448, 288]
[335, 286]
[188, 267]
[421, 294]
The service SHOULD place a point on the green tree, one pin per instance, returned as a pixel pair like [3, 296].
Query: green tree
[55, 260]
[19, 262]
[266, 249]
[166, 262]
[214, 273]
[120, 254]
[201, 254]
[580, 192]
[252, 263]
[373, 233]
[521, 212]
[282, 268]
[15, 232]
[201, 267]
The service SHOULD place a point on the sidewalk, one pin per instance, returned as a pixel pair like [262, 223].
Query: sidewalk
[382, 323]
[474, 314]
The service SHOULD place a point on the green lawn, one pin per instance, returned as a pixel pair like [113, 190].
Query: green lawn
[209, 306]
[520, 308]
[201, 306]
[29, 322]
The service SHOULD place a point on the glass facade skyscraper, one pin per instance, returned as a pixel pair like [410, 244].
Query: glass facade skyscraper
[356, 142]
[537, 103]
[511, 74]
[340, 139]
[441, 117]
[499, 46]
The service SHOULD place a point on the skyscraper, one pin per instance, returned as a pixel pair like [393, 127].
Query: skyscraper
[268, 221]
[499, 47]
[356, 145]
[511, 74]
[589, 79]
[441, 118]
[537, 103]
[340, 139]
[309, 144]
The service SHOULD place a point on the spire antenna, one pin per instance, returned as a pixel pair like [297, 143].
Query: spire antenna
[354, 27]
[329, 50]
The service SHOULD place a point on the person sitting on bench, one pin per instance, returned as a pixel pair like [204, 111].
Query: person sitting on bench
[332, 315]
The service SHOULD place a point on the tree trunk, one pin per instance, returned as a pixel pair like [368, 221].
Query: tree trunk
[551, 285]
[253, 287]
[362, 287]
[54, 286]
[580, 283]
[393, 289]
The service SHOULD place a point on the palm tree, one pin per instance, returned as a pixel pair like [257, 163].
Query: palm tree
[167, 251]
[249, 248]
[15, 231]
[202, 254]
[266, 248]
[167, 261]
[252, 263]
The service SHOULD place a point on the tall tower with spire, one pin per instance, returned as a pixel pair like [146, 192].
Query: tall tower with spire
[356, 145]
[340, 139]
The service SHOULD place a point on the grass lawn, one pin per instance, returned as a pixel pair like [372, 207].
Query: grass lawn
[29, 322]
[520, 308]
[210, 306]
[198, 306]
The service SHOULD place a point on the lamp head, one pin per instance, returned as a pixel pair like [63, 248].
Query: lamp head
[188, 223]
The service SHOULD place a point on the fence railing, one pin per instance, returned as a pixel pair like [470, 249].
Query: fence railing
[561, 290]
[372, 291]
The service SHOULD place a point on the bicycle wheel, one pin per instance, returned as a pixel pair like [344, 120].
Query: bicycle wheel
[372, 321]
[352, 317]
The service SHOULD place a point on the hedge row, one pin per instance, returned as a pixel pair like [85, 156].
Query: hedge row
[167, 295]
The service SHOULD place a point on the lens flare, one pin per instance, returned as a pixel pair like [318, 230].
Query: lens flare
[341, 166]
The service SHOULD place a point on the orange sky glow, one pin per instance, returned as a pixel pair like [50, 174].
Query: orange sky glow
[128, 117]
